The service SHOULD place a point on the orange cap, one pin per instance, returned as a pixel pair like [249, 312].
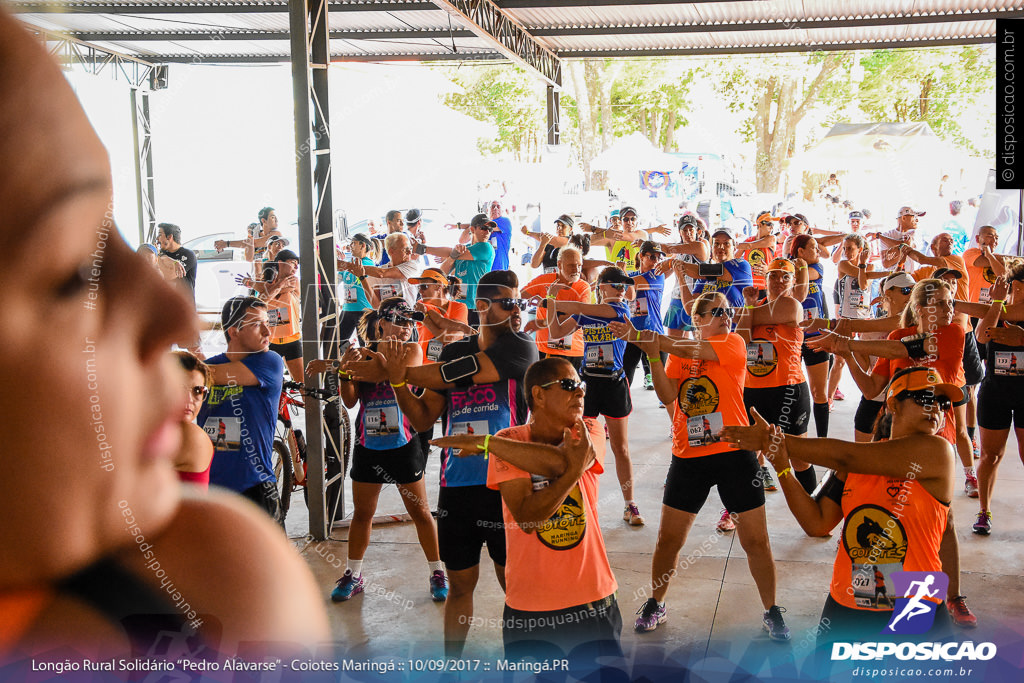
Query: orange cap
[782, 264]
[920, 378]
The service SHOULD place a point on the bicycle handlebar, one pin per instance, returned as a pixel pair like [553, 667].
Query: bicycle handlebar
[321, 394]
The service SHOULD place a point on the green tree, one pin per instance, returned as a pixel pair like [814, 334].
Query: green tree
[941, 87]
[508, 97]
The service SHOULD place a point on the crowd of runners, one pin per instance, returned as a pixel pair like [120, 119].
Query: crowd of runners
[727, 328]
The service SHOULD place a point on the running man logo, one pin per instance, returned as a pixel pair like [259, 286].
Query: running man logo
[698, 396]
[568, 525]
[919, 594]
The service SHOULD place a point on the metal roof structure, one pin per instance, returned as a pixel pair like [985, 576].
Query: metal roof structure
[248, 31]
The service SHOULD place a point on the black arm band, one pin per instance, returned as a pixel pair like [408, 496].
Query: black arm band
[915, 346]
[460, 371]
[831, 487]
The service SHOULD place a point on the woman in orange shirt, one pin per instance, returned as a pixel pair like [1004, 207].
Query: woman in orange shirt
[708, 398]
[881, 532]
[438, 307]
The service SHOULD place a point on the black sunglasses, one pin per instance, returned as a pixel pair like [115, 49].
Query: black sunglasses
[926, 399]
[616, 285]
[765, 223]
[199, 392]
[904, 290]
[567, 384]
[719, 312]
[509, 304]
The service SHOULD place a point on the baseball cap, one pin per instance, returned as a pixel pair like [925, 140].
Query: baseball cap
[566, 220]
[482, 221]
[688, 219]
[898, 279]
[908, 211]
[782, 264]
[649, 247]
[941, 272]
[920, 378]
[413, 216]
[765, 216]
[287, 255]
[797, 218]
[614, 275]
[856, 216]
[720, 231]
[362, 239]
[614, 213]
[430, 276]
[397, 311]
[628, 209]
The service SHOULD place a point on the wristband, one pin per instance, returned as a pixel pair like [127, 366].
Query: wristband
[802, 268]
[487, 446]
[784, 473]
[654, 359]
[638, 335]
[397, 386]
[915, 346]
[828, 324]
[748, 307]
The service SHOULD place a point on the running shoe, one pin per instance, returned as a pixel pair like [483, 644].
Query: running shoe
[347, 586]
[438, 586]
[651, 614]
[648, 383]
[983, 524]
[961, 613]
[726, 523]
[632, 515]
[971, 486]
[767, 482]
[775, 624]
[838, 395]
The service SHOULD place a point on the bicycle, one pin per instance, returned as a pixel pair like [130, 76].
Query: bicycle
[289, 448]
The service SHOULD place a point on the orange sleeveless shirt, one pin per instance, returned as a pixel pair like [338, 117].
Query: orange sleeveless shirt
[889, 525]
[773, 356]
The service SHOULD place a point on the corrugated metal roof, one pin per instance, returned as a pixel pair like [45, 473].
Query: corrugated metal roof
[223, 30]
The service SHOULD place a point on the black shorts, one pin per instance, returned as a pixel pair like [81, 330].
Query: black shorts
[468, 517]
[813, 357]
[607, 396]
[974, 369]
[998, 408]
[735, 473]
[266, 496]
[787, 406]
[867, 412]
[586, 631]
[403, 465]
[289, 351]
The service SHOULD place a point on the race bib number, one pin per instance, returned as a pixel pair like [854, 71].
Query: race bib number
[984, 297]
[224, 432]
[470, 427]
[1009, 363]
[600, 356]
[760, 357]
[561, 342]
[640, 306]
[351, 295]
[389, 290]
[704, 429]
[811, 313]
[434, 347]
[548, 270]
[278, 316]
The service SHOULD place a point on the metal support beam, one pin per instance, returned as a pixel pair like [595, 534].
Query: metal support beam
[95, 60]
[488, 21]
[144, 181]
[554, 131]
[310, 59]
[199, 35]
[371, 58]
[213, 7]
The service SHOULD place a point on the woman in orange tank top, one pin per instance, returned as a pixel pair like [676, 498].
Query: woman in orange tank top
[892, 498]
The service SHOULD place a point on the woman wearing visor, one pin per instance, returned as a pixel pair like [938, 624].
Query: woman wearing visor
[881, 533]
[386, 451]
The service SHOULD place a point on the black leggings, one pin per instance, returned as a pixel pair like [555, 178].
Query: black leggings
[631, 357]
[348, 322]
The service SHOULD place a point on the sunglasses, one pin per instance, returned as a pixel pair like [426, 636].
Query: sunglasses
[765, 223]
[568, 384]
[199, 392]
[510, 304]
[718, 312]
[926, 399]
[616, 285]
[905, 291]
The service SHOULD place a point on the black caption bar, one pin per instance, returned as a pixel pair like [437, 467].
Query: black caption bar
[1009, 83]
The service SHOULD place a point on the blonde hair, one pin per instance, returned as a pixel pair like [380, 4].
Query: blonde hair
[923, 291]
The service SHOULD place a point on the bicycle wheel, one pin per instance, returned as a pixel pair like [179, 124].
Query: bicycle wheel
[282, 462]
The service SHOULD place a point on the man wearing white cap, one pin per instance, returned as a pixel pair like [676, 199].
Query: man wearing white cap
[904, 232]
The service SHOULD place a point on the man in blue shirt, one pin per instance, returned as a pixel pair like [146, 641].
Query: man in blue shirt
[501, 238]
[735, 273]
[240, 413]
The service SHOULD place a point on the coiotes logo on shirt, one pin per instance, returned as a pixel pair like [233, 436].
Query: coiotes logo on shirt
[698, 396]
[568, 525]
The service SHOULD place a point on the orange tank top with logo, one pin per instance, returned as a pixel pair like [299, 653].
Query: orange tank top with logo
[773, 356]
[431, 345]
[710, 397]
[759, 259]
[889, 525]
[979, 278]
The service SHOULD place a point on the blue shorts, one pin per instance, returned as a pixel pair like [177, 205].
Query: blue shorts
[676, 318]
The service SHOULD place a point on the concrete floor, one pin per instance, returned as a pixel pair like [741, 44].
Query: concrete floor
[714, 615]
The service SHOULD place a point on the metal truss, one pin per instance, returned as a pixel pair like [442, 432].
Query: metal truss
[213, 7]
[145, 182]
[487, 20]
[95, 60]
[310, 52]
